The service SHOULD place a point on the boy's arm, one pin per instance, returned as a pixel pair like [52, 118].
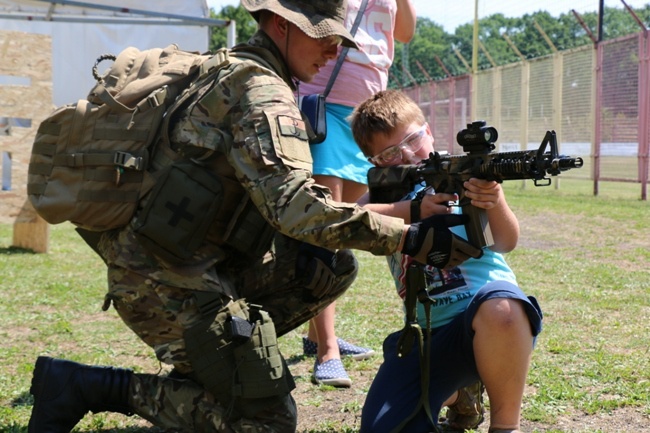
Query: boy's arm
[433, 204]
[489, 195]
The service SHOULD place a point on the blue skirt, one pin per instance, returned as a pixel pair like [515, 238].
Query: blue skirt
[339, 155]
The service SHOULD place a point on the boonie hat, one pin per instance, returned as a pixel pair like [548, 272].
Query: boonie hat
[317, 18]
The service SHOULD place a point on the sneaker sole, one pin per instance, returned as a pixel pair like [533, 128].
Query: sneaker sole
[338, 383]
[360, 356]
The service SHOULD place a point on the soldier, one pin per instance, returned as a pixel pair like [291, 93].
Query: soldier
[274, 255]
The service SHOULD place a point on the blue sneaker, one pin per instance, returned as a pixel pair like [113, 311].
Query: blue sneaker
[310, 348]
[355, 352]
[331, 373]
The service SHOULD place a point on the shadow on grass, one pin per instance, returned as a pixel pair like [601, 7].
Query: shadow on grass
[27, 400]
[13, 428]
[15, 250]
[24, 399]
[295, 359]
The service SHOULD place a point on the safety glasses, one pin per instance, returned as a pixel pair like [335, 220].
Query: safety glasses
[390, 155]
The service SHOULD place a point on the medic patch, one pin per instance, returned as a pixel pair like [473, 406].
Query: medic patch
[292, 127]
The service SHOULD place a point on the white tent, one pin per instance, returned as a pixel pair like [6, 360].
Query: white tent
[82, 31]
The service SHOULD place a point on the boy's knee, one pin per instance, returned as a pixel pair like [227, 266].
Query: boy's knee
[500, 314]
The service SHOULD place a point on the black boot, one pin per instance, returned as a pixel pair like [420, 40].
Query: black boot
[64, 391]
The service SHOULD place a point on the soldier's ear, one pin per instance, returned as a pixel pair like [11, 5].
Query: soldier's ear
[281, 25]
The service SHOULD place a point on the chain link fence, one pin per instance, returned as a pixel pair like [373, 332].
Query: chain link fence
[596, 98]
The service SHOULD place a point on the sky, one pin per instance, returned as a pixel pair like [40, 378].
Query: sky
[451, 14]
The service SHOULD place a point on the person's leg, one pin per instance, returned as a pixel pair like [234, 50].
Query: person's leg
[165, 400]
[394, 397]
[505, 323]
[395, 390]
[65, 391]
[286, 296]
[165, 316]
[322, 332]
[503, 345]
[322, 327]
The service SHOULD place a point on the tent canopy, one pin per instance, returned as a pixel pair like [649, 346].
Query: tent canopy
[82, 31]
[186, 12]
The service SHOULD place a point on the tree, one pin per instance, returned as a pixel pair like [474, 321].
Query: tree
[430, 40]
[245, 26]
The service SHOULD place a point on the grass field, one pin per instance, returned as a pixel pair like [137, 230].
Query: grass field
[585, 258]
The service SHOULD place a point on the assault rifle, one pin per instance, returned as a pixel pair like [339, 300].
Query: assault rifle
[447, 173]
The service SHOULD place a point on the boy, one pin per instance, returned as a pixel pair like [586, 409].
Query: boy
[483, 327]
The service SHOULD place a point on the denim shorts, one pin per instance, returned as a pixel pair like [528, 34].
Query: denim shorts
[395, 392]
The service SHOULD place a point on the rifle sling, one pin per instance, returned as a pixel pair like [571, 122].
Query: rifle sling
[415, 281]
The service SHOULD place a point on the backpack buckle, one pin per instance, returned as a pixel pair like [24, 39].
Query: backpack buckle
[157, 97]
[126, 160]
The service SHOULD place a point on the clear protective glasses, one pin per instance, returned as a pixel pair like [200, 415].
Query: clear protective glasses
[412, 143]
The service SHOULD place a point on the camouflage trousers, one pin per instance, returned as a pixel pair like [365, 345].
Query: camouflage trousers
[160, 304]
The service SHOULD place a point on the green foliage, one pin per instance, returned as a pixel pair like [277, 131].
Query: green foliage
[245, 26]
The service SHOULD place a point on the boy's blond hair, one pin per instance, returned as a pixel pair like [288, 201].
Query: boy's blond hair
[382, 113]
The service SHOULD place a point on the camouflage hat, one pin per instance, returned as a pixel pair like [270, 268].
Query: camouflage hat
[317, 18]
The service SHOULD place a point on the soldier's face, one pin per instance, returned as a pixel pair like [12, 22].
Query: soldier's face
[306, 56]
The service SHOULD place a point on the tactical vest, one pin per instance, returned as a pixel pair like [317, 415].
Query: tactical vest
[197, 200]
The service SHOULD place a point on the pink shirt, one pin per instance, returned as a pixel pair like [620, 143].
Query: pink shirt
[365, 71]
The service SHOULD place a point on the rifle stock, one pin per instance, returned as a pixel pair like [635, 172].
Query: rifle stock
[447, 173]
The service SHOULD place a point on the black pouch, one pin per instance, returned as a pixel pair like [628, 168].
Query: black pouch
[179, 211]
[313, 107]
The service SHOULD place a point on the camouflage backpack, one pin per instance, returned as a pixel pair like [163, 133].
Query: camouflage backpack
[90, 160]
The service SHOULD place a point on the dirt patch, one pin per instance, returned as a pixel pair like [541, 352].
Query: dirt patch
[324, 409]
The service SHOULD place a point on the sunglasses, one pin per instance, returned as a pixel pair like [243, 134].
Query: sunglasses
[412, 142]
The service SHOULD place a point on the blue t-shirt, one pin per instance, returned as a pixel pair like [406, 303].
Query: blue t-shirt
[461, 283]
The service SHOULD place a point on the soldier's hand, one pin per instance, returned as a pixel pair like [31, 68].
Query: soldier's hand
[431, 242]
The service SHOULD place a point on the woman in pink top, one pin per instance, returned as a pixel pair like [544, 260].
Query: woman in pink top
[339, 164]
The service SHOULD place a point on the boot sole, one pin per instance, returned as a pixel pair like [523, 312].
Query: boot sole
[40, 372]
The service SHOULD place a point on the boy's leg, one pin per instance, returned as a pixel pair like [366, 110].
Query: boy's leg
[505, 323]
[503, 345]
[395, 391]
[466, 410]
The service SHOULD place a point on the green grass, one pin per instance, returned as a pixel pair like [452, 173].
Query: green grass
[593, 355]
[585, 258]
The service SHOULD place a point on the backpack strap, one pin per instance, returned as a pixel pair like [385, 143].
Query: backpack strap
[164, 155]
[215, 62]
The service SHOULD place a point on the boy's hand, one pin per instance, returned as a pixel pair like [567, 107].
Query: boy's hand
[431, 242]
[485, 194]
[436, 204]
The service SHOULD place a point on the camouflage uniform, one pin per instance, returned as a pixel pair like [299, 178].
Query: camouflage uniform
[252, 129]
